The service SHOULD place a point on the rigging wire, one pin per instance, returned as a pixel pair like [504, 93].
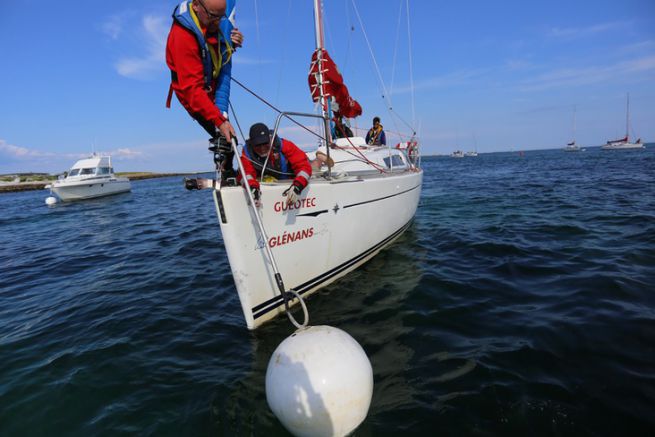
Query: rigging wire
[411, 68]
[284, 53]
[395, 49]
[385, 94]
[259, 45]
[270, 105]
[351, 30]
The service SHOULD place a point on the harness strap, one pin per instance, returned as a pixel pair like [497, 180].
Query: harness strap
[170, 96]
[170, 88]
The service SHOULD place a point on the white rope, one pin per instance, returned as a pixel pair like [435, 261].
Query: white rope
[304, 310]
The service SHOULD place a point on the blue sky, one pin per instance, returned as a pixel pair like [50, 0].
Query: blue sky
[492, 75]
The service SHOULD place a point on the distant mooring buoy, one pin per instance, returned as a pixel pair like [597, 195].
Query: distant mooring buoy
[319, 381]
[50, 200]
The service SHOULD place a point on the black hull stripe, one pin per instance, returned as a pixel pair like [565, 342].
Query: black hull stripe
[312, 214]
[317, 213]
[276, 301]
[381, 198]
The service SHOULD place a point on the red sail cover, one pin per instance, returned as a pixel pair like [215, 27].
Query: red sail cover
[333, 86]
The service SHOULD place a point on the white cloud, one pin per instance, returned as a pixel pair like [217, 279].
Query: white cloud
[20, 152]
[113, 27]
[455, 78]
[518, 64]
[578, 32]
[589, 75]
[154, 30]
[125, 153]
[24, 153]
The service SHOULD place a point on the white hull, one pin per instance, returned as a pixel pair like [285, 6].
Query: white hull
[338, 226]
[623, 146]
[88, 189]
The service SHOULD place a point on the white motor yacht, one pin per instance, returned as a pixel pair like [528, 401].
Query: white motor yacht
[89, 178]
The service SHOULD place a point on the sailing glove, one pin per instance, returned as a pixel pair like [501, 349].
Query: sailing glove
[292, 193]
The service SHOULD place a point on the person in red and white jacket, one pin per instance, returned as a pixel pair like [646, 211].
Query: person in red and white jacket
[286, 161]
[199, 52]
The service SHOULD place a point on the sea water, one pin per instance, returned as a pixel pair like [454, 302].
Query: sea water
[520, 302]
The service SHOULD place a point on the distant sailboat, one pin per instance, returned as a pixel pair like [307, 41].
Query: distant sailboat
[624, 143]
[475, 152]
[572, 147]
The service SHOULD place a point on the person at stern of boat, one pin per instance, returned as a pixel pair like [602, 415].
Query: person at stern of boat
[199, 52]
[375, 135]
[285, 161]
[341, 130]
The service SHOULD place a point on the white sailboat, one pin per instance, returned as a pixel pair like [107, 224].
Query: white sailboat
[89, 178]
[572, 146]
[279, 254]
[473, 153]
[624, 143]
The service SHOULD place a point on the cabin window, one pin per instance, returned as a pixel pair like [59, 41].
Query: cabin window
[103, 170]
[74, 172]
[88, 171]
[394, 160]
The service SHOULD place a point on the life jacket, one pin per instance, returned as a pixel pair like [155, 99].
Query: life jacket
[212, 61]
[277, 166]
[374, 136]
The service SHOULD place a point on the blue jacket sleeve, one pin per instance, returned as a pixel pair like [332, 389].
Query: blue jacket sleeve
[225, 75]
[383, 139]
[223, 88]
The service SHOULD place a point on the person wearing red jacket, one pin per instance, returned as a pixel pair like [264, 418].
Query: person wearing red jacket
[285, 161]
[198, 53]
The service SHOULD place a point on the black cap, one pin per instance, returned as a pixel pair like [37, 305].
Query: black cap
[259, 134]
[376, 119]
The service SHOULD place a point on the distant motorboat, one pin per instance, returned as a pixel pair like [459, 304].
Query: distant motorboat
[457, 154]
[89, 178]
[624, 143]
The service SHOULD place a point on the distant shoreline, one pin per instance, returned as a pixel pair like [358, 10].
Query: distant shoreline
[31, 186]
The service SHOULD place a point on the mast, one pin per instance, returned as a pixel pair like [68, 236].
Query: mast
[627, 118]
[320, 46]
[574, 112]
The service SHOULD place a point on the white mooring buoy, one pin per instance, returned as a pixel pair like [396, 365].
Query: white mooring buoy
[50, 200]
[319, 382]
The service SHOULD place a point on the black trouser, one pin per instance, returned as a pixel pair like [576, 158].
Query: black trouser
[227, 165]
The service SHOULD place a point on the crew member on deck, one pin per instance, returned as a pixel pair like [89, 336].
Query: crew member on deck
[375, 136]
[285, 161]
[340, 128]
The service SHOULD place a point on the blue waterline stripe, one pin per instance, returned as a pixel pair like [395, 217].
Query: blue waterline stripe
[276, 301]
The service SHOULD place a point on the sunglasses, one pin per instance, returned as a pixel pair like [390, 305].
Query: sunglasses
[211, 15]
